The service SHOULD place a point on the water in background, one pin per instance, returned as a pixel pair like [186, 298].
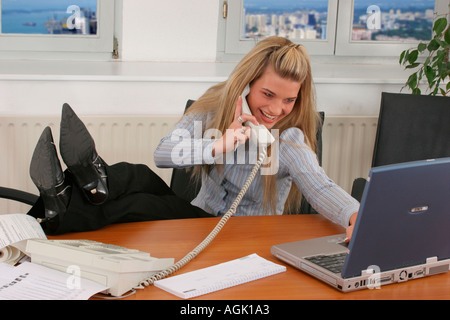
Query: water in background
[30, 17]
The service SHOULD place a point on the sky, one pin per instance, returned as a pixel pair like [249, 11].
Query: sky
[45, 4]
[324, 3]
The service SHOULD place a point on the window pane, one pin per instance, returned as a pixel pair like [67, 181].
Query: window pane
[49, 17]
[293, 19]
[393, 20]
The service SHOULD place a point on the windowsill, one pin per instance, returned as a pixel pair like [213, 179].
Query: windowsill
[324, 72]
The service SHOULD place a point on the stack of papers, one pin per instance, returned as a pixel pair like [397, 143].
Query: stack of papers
[30, 281]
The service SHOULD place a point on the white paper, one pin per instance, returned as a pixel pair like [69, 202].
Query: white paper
[18, 227]
[220, 276]
[30, 281]
[15, 230]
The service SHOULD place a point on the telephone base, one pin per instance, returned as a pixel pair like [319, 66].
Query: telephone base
[118, 268]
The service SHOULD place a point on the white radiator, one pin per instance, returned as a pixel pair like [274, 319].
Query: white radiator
[347, 146]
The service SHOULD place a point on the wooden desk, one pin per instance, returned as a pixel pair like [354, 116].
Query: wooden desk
[242, 236]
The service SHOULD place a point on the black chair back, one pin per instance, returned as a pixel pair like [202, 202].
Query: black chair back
[412, 127]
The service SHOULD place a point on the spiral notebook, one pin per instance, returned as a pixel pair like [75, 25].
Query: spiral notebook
[218, 277]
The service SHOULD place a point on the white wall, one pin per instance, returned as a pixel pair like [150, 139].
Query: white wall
[167, 55]
[171, 30]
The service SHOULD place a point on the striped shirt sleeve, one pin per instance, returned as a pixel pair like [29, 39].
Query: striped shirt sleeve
[185, 145]
[320, 191]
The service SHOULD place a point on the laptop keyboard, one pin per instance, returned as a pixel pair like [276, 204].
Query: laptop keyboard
[333, 262]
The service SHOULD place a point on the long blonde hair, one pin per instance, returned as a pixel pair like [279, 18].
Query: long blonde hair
[290, 61]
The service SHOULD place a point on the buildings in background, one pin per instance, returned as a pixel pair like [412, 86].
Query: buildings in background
[395, 24]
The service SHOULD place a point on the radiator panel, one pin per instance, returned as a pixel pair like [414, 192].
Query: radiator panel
[347, 146]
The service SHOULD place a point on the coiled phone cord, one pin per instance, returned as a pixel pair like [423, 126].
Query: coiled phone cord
[191, 255]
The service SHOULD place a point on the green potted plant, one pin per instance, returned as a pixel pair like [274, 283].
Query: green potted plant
[431, 60]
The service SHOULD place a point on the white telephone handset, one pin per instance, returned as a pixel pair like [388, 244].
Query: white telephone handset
[259, 135]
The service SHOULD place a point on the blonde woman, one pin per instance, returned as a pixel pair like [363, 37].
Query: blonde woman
[213, 137]
[282, 99]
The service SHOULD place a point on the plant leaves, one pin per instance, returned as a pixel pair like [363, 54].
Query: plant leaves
[422, 47]
[439, 26]
[412, 66]
[447, 36]
[402, 55]
[433, 45]
[430, 73]
[443, 44]
[413, 56]
[436, 65]
[412, 81]
[440, 56]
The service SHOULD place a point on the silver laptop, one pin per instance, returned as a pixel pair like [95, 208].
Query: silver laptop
[402, 231]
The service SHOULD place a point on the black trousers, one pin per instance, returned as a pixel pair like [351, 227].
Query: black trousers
[136, 193]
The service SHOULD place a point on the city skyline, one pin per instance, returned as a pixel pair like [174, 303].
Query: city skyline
[314, 4]
[395, 23]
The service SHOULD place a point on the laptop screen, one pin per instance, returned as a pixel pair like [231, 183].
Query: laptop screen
[404, 217]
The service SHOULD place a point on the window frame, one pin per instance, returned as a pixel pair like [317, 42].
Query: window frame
[233, 44]
[345, 46]
[339, 31]
[67, 46]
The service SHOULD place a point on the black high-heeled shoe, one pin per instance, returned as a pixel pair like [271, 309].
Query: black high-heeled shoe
[77, 149]
[47, 175]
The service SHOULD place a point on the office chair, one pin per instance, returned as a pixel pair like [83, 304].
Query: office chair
[187, 188]
[18, 195]
[181, 182]
[410, 128]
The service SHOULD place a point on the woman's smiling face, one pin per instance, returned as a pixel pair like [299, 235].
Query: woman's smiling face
[272, 97]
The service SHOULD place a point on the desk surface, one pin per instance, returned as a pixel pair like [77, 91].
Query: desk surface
[242, 236]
